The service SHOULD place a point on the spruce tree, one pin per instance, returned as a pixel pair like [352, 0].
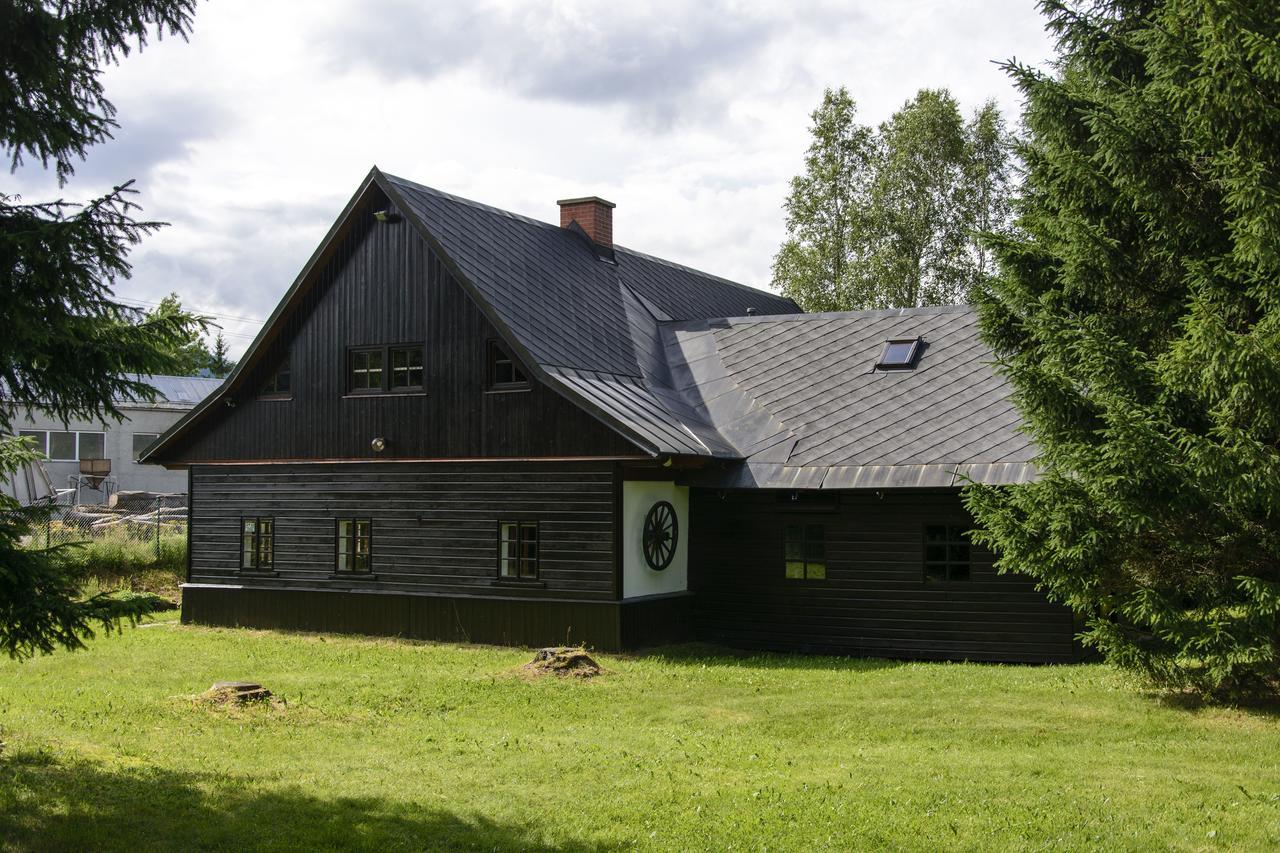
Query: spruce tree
[69, 348]
[1137, 317]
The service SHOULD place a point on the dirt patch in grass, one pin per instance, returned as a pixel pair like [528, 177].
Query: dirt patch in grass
[240, 696]
[562, 662]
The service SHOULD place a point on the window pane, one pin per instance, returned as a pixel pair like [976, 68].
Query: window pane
[959, 571]
[265, 542]
[62, 445]
[406, 367]
[795, 568]
[935, 553]
[817, 571]
[935, 571]
[93, 445]
[141, 441]
[958, 553]
[815, 551]
[897, 353]
[793, 550]
[40, 439]
[935, 533]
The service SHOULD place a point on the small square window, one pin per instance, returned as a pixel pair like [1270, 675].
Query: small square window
[366, 371]
[518, 549]
[279, 383]
[804, 551]
[946, 553]
[141, 441]
[62, 446]
[899, 354]
[39, 439]
[93, 445]
[406, 368]
[504, 372]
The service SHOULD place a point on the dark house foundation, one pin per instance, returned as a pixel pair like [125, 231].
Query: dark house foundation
[611, 626]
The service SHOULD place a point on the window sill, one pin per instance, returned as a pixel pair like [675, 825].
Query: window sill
[382, 395]
[353, 576]
[508, 389]
[275, 398]
[518, 583]
[258, 573]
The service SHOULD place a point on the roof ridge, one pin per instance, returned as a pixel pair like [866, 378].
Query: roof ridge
[488, 208]
[686, 268]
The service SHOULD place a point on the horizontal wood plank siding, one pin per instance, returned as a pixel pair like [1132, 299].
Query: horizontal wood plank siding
[384, 286]
[435, 526]
[874, 600]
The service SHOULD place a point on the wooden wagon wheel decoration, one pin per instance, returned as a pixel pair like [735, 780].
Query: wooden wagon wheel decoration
[661, 529]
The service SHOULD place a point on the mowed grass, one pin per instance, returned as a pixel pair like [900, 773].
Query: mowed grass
[394, 745]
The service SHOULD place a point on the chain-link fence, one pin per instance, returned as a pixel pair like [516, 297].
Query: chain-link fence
[135, 530]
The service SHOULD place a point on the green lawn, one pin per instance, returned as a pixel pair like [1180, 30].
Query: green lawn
[393, 745]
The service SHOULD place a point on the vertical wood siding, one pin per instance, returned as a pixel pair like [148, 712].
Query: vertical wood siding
[382, 286]
[874, 600]
[435, 526]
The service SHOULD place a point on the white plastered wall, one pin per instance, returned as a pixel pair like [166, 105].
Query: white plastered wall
[637, 578]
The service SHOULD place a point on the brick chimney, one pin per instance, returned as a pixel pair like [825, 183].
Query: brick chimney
[594, 215]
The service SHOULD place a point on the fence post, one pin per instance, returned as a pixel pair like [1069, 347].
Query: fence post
[157, 509]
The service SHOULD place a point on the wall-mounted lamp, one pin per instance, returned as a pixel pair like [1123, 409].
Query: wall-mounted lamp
[379, 444]
[230, 402]
[386, 215]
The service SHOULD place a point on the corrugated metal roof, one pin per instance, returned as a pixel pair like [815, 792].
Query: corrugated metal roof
[176, 391]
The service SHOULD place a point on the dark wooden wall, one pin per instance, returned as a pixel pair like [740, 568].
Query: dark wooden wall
[383, 285]
[875, 600]
[434, 524]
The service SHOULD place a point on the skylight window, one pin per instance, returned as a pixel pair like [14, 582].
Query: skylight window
[899, 354]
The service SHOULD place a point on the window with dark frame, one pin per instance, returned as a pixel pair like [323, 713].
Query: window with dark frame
[946, 553]
[899, 354]
[504, 372]
[406, 368]
[365, 373]
[41, 437]
[518, 550]
[354, 545]
[805, 551]
[257, 544]
[280, 384]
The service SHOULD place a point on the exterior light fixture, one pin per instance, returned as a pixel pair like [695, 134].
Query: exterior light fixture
[379, 444]
[386, 215]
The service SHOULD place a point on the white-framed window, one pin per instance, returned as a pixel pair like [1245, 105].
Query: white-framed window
[141, 441]
[68, 446]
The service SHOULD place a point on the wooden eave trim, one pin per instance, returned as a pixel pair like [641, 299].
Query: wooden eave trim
[455, 460]
[269, 330]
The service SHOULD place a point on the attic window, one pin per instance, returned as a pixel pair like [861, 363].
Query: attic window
[278, 385]
[504, 373]
[899, 354]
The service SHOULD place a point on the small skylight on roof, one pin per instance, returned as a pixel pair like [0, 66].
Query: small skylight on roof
[899, 354]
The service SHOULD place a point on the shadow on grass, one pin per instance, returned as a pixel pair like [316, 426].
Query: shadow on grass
[49, 805]
[699, 654]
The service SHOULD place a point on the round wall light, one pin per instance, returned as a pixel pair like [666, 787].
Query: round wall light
[379, 444]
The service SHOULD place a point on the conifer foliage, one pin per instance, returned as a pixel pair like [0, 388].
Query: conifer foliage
[1137, 317]
[69, 348]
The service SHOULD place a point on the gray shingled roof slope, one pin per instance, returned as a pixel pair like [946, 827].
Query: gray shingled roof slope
[591, 325]
[805, 390]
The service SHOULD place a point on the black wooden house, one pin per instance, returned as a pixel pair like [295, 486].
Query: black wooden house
[460, 423]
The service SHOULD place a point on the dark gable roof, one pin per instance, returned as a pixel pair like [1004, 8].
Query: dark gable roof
[665, 355]
[590, 327]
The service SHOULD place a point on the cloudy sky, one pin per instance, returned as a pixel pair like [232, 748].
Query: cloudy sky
[691, 116]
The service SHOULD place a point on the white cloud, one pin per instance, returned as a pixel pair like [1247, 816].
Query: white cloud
[690, 116]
